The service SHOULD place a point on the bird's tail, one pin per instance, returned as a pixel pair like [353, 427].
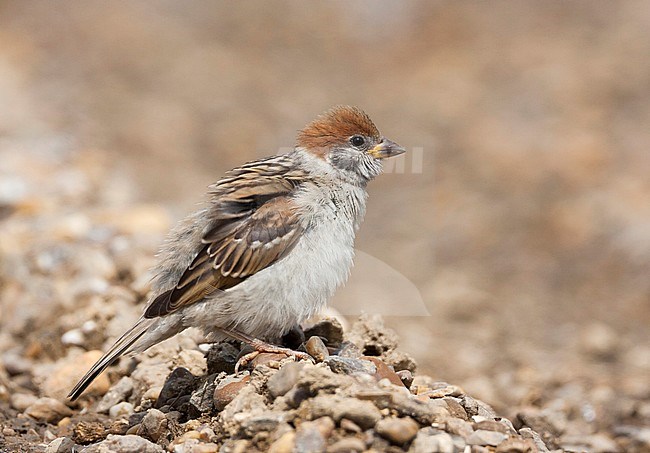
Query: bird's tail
[124, 344]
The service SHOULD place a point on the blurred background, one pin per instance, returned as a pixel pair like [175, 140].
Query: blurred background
[523, 222]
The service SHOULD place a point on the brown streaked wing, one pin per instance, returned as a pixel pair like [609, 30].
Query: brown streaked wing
[254, 224]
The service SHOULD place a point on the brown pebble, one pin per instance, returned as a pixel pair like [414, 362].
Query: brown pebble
[317, 349]
[284, 444]
[346, 445]
[225, 393]
[397, 430]
[384, 371]
[48, 410]
[88, 432]
[349, 425]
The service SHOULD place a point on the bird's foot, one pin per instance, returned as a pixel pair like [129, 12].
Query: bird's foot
[261, 347]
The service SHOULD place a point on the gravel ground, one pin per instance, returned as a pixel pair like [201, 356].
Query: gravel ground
[71, 282]
[522, 229]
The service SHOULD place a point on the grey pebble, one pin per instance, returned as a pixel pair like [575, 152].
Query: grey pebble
[116, 394]
[124, 444]
[345, 365]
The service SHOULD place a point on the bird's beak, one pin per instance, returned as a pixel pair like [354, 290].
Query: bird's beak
[386, 148]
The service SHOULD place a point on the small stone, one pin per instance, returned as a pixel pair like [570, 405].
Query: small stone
[428, 440]
[528, 433]
[343, 365]
[153, 426]
[266, 422]
[400, 361]
[71, 369]
[487, 438]
[123, 409]
[282, 381]
[363, 413]
[317, 349]
[116, 394]
[48, 410]
[60, 445]
[177, 388]
[491, 425]
[455, 408]
[228, 389]
[459, 427]
[346, 445]
[124, 444]
[284, 444]
[424, 412]
[310, 438]
[406, 377]
[449, 390]
[88, 432]
[222, 357]
[349, 426]
[513, 445]
[330, 329]
[73, 337]
[21, 401]
[397, 430]
[384, 371]
[8, 432]
[371, 336]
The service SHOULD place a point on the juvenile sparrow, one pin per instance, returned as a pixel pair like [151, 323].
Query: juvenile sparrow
[273, 243]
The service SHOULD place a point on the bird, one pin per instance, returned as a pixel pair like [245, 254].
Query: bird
[272, 242]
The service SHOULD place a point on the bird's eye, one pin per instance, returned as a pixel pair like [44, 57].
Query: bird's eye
[357, 141]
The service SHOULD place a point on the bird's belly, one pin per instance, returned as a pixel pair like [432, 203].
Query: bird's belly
[269, 303]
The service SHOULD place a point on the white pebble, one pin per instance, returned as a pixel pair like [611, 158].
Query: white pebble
[73, 337]
[121, 410]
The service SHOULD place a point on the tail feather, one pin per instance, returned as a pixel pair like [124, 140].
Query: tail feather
[121, 346]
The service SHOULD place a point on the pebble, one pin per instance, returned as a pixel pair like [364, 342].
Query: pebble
[21, 401]
[153, 425]
[123, 409]
[460, 427]
[221, 357]
[179, 383]
[284, 444]
[344, 365]
[282, 381]
[73, 337]
[310, 438]
[60, 445]
[384, 371]
[397, 430]
[48, 410]
[484, 437]
[86, 432]
[70, 370]
[317, 349]
[429, 440]
[406, 377]
[116, 394]
[347, 445]
[363, 413]
[124, 444]
[228, 389]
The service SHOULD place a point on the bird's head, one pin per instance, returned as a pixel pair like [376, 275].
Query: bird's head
[347, 139]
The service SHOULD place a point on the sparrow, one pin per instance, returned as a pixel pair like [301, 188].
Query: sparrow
[273, 242]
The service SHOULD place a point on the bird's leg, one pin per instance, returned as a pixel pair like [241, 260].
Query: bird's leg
[260, 346]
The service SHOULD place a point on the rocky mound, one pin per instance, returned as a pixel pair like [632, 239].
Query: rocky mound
[360, 394]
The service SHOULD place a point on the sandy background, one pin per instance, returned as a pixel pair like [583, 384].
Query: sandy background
[521, 219]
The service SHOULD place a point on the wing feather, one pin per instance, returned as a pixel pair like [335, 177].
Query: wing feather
[254, 223]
